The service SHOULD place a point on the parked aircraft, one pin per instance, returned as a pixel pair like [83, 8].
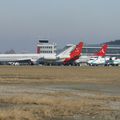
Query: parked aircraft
[59, 58]
[87, 59]
[69, 54]
[15, 59]
[116, 62]
[99, 58]
[113, 61]
[67, 57]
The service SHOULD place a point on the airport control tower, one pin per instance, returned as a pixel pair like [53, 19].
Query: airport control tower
[44, 46]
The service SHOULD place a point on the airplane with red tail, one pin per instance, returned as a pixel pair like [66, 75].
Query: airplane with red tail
[99, 58]
[75, 54]
[89, 58]
[70, 55]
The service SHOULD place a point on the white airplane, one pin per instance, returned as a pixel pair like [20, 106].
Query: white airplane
[63, 57]
[59, 58]
[69, 56]
[31, 59]
[116, 62]
[113, 61]
[97, 61]
[99, 58]
[88, 59]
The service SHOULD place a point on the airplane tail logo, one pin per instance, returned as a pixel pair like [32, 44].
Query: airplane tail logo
[77, 51]
[102, 51]
[75, 54]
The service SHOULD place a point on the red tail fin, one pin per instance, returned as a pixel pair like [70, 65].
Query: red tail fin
[102, 51]
[75, 54]
[77, 51]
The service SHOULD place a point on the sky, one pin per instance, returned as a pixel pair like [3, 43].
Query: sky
[24, 22]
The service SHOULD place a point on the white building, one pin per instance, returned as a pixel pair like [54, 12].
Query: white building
[45, 47]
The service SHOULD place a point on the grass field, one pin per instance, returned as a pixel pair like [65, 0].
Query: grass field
[59, 93]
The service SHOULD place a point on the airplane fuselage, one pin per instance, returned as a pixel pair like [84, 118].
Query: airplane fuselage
[25, 57]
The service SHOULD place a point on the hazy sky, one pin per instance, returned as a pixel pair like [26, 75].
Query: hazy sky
[24, 22]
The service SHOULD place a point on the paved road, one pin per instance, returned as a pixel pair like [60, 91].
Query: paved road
[8, 89]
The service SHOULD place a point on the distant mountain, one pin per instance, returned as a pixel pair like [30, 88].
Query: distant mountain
[10, 52]
[115, 42]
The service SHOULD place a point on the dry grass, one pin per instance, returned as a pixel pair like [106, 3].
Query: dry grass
[46, 106]
[28, 74]
[16, 114]
[50, 106]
